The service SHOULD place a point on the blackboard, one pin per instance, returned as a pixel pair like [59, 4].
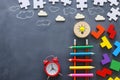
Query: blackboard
[24, 43]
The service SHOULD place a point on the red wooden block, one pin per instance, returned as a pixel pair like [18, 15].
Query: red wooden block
[100, 31]
[112, 32]
[104, 72]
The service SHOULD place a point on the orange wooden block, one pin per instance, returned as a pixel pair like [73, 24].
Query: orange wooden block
[100, 31]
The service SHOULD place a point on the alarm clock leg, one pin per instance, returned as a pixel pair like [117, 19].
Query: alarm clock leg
[48, 77]
[60, 74]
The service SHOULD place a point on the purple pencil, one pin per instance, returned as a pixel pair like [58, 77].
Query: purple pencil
[81, 75]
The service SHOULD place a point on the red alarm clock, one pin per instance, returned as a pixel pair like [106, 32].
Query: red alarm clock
[51, 66]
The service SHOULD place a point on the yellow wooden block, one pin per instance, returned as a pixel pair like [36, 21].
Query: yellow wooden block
[116, 78]
[105, 43]
[110, 78]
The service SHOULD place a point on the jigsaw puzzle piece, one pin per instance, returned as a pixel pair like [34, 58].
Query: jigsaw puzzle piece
[53, 1]
[113, 14]
[104, 72]
[81, 4]
[105, 43]
[99, 2]
[100, 31]
[111, 30]
[113, 2]
[116, 52]
[24, 3]
[38, 4]
[65, 2]
[115, 65]
[106, 59]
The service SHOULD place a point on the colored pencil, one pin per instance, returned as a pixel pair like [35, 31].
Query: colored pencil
[80, 67]
[81, 75]
[81, 47]
[80, 60]
[82, 54]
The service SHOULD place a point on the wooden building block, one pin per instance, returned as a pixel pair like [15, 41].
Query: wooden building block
[104, 72]
[100, 31]
[116, 52]
[105, 43]
[115, 65]
[112, 32]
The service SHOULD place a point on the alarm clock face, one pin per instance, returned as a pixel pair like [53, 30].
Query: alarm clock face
[52, 69]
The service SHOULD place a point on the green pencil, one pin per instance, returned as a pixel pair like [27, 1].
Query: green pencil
[81, 47]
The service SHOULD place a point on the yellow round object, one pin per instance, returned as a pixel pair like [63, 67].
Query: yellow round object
[82, 29]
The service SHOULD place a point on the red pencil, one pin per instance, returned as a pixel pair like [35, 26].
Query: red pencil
[80, 60]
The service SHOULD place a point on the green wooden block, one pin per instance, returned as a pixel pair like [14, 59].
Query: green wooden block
[115, 65]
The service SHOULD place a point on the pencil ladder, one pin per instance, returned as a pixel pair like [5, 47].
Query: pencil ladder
[81, 57]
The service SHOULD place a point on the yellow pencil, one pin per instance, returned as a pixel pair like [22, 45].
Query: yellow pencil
[81, 67]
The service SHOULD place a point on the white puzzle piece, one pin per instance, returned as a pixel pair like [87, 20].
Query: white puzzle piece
[82, 4]
[114, 14]
[54, 1]
[24, 3]
[99, 2]
[65, 2]
[38, 4]
[113, 2]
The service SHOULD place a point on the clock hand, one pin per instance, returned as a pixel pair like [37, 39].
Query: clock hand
[52, 65]
[52, 68]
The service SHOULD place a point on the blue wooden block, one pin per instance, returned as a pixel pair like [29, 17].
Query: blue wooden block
[116, 52]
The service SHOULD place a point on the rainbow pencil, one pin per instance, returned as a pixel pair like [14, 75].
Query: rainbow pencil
[80, 67]
[80, 60]
[81, 75]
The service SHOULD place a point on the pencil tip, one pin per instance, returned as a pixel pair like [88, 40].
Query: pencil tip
[70, 47]
[93, 67]
[69, 74]
[93, 53]
[69, 59]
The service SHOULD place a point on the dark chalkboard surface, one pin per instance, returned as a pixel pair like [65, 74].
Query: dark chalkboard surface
[24, 42]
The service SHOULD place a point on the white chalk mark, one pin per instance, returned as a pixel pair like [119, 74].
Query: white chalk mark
[95, 10]
[43, 22]
[69, 10]
[25, 14]
[54, 9]
[14, 8]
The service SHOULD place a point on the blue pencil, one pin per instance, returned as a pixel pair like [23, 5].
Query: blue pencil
[82, 54]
